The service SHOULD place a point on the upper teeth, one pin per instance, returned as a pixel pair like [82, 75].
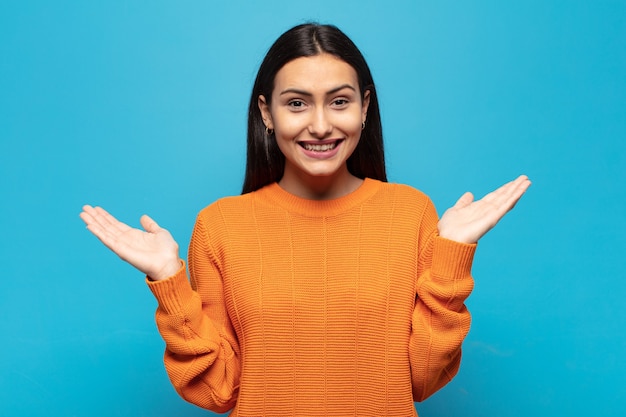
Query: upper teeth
[320, 148]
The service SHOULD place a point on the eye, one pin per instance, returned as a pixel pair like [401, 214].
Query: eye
[340, 102]
[296, 104]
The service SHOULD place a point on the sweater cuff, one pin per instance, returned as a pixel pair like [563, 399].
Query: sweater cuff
[452, 259]
[172, 293]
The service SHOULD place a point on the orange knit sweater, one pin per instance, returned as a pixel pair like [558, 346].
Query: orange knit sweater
[353, 306]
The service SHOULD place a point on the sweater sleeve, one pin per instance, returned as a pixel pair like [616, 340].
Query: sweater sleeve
[202, 352]
[440, 319]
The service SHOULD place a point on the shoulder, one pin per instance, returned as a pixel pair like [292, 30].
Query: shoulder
[403, 193]
[407, 190]
[230, 206]
[409, 205]
[239, 212]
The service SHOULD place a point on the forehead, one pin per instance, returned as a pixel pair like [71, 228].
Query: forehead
[315, 73]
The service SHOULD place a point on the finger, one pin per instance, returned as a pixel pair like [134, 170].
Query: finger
[94, 215]
[519, 192]
[465, 200]
[97, 230]
[505, 198]
[502, 195]
[104, 226]
[149, 224]
[85, 216]
[514, 191]
[89, 216]
[107, 228]
[109, 222]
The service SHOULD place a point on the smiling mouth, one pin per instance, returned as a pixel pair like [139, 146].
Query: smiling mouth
[320, 147]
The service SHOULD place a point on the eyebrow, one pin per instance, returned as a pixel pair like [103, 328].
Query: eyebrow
[306, 93]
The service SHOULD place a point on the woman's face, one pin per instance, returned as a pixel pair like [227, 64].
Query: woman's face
[316, 113]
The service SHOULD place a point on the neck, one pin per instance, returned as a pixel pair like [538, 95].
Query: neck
[327, 187]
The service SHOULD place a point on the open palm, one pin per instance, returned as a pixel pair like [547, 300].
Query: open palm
[153, 251]
[469, 220]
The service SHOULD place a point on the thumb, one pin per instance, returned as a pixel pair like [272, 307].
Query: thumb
[148, 224]
[465, 200]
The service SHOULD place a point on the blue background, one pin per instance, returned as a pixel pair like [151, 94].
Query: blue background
[141, 107]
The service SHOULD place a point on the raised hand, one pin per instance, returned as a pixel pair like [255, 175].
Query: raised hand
[469, 220]
[153, 251]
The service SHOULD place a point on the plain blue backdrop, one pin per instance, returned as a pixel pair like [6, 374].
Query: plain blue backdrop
[140, 106]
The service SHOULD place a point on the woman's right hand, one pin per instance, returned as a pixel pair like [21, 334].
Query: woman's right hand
[153, 251]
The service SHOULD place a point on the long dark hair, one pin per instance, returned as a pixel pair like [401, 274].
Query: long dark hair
[265, 162]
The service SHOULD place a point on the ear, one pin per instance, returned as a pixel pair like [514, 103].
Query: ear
[365, 105]
[265, 112]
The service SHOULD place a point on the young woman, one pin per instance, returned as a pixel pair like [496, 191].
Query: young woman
[322, 290]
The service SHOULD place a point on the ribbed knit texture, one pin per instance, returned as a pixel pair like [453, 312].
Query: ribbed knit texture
[348, 307]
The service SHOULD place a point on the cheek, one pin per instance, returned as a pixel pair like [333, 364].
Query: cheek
[288, 128]
[350, 123]
[284, 136]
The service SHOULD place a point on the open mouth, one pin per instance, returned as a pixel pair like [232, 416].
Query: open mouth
[320, 147]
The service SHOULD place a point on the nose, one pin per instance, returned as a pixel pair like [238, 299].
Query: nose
[320, 125]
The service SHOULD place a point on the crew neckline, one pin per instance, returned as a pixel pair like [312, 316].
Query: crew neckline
[319, 208]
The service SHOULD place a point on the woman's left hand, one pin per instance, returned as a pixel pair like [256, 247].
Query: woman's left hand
[469, 220]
